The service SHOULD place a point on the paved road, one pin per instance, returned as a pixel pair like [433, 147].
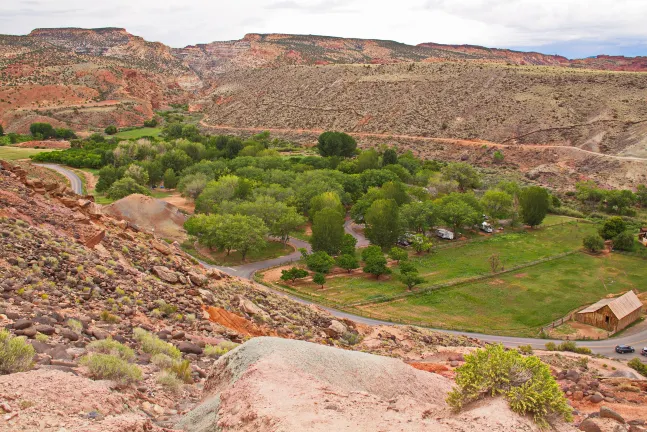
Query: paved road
[349, 227]
[75, 180]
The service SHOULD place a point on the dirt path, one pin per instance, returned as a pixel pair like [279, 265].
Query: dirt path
[462, 142]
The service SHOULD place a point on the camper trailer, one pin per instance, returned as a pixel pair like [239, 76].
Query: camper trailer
[486, 227]
[445, 234]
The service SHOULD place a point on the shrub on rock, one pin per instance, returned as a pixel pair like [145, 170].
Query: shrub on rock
[16, 354]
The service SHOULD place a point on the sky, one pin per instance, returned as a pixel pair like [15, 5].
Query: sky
[573, 28]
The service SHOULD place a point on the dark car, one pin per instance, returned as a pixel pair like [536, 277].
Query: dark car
[624, 349]
[644, 352]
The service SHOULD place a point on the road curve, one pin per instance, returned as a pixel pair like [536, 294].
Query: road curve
[75, 180]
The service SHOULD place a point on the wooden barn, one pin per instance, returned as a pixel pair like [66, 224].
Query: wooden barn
[612, 314]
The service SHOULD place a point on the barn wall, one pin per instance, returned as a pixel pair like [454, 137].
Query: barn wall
[629, 319]
[597, 318]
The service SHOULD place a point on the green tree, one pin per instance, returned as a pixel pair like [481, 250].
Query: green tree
[624, 241]
[327, 231]
[612, 227]
[464, 174]
[43, 130]
[348, 244]
[150, 123]
[1, 131]
[288, 221]
[293, 274]
[64, 133]
[409, 275]
[420, 243]
[419, 216]
[593, 243]
[347, 262]
[170, 179]
[375, 264]
[155, 172]
[172, 130]
[137, 173]
[397, 254]
[390, 157]
[110, 130]
[370, 251]
[619, 201]
[457, 214]
[107, 176]
[534, 202]
[383, 223]
[124, 187]
[336, 144]
[176, 159]
[319, 279]
[192, 185]
[641, 195]
[320, 262]
[326, 200]
[395, 191]
[498, 156]
[497, 205]
[368, 159]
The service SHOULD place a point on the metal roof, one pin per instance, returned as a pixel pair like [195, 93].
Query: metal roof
[620, 306]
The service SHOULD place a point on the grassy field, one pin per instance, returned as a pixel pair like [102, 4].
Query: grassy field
[520, 303]
[14, 153]
[462, 262]
[273, 250]
[139, 133]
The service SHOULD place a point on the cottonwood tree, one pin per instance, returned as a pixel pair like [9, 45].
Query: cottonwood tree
[409, 275]
[319, 262]
[390, 157]
[336, 144]
[293, 274]
[348, 244]
[534, 202]
[347, 262]
[375, 264]
[419, 216]
[397, 254]
[612, 227]
[458, 214]
[497, 205]
[327, 231]
[420, 243]
[464, 174]
[170, 179]
[383, 223]
[319, 279]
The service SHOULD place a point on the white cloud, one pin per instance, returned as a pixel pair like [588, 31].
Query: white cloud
[499, 23]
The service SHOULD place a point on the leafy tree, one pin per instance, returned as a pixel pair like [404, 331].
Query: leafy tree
[229, 232]
[326, 200]
[293, 274]
[395, 191]
[419, 216]
[348, 244]
[397, 254]
[403, 174]
[124, 187]
[176, 159]
[320, 262]
[150, 123]
[534, 202]
[383, 223]
[588, 192]
[375, 264]
[347, 262]
[641, 194]
[64, 133]
[612, 227]
[44, 130]
[327, 231]
[593, 243]
[223, 189]
[368, 159]
[287, 222]
[137, 173]
[370, 251]
[1, 131]
[319, 279]
[155, 172]
[524, 381]
[170, 179]
[107, 176]
[420, 243]
[619, 201]
[624, 241]
[409, 275]
[336, 144]
[358, 211]
[390, 157]
[172, 130]
[192, 185]
[464, 174]
[497, 204]
[457, 214]
[376, 178]
[110, 130]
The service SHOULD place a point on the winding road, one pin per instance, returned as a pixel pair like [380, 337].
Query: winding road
[636, 338]
[75, 180]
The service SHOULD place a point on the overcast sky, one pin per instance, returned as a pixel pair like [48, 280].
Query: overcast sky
[574, 28]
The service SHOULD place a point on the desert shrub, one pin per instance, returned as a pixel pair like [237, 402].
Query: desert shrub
[638, 366]
[550, 346]
[525, 349]
[75, 325]
[351, 338]
[151, 344]
[162, 361]
[106, 366]
[525, 382]
[219, 350]
[108, 317]
[567, 346]
[583, 350]
[16, 355]
[182, 370]
[169, 381]
[624, 241]
[112, 347]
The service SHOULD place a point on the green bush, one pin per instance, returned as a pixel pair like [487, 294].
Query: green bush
[169, 381]
[638, 366]
[567, 346]
[106, 366]
[624, 241]
[219, 350]
[525, 349]
[525, 382]
[612, 227]
[151, 344]
[593, 243]
[162, 361]
[182, 370]
[550, 346]
[112, 347]
[111, 130]
[124, 187]
[16, 354]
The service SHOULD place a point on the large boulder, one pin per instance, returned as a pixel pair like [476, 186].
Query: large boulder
[272, 384]
[166, 274]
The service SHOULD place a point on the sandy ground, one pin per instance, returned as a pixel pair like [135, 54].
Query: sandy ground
[580, 331]
[44, 144]
[186, 205]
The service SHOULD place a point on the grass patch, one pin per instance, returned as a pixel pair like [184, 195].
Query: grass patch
[139, 133]
[112, 347]
[273, 250]
[15, 153]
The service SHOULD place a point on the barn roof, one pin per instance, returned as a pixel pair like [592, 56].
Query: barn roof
[620, 306]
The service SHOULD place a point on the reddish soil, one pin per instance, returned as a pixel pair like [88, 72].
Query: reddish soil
[44, 144]
[235, 322]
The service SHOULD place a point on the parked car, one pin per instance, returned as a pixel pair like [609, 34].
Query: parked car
[624, 349]
[644, 352]
[445, 234]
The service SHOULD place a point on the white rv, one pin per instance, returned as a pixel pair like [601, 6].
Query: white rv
[486, 227]
[445, 234]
